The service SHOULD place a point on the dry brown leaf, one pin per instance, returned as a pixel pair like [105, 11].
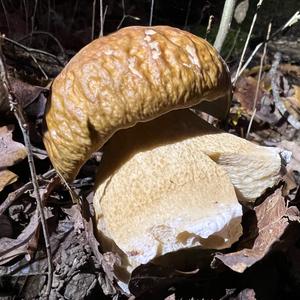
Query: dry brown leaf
[272, 220]
[26, 243]
[23, 244]
[289, 69]
[245, 92]
[25, 92]
[241, 11]
[6, 177]
[297, 92]
[10, 151]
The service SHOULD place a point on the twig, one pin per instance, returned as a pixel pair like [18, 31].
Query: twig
[225, 23]
[18, 112]
[13, 196]
[5, 14]
[93, 20]
[124, 16]
[151, 13]
[32, 21]
[61, 48]
[258, 82]
[32, 50]
[233, 44]
[101, 18]
[292, 21]
[188, 11]
[247, 41]
[26, 16]
[208, 28]
[103, 21]
[276, 93]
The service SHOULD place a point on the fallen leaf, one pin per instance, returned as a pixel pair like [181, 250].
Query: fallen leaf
[246, 294]
[272, 221]
[292, 70]
[297, 92]
[241, 11]
[245, 91]
[25, 92]
[6, 177]
[25, 243]
[10, 151]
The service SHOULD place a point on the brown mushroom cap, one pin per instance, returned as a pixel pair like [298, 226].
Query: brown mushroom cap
[133, 75]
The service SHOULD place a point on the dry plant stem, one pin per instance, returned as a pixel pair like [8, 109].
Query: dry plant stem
[18, 112]
[233, 44]
[61, 48]
[247, 41]
[30, 50]
[93, 19]
[151, 13]
[103, 21]
[32, 21]
[26, 15]
[5, 14]
[225, 23]
[124, 16]
[258, 82]
[292, 21]
[208, 29]
[13, 196]
[188, 11]
[101, 18]
[276, 93]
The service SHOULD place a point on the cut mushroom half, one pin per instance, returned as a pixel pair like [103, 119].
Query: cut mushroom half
[174, 183]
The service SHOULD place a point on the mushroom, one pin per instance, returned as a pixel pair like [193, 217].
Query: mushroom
[168, 180]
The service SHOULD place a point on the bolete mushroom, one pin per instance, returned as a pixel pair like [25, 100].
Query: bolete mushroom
[172, 180]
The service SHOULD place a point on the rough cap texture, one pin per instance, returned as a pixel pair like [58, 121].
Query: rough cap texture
[133, 75]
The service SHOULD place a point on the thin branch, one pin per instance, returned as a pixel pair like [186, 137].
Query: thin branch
[32, 50]
[208, 28]
[258, 82]
[124, 16]
[188, 11]
[32, 21]
[247, 41]
[101, 18]
[292, 21]
[104, 15]
[18, 112]
[6, 16]
[15, 195]
[93, 20]
[26, 15]
[225, 23]
[151, 13]
[61, 48]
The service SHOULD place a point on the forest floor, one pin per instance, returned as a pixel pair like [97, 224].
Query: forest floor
[263, 264]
